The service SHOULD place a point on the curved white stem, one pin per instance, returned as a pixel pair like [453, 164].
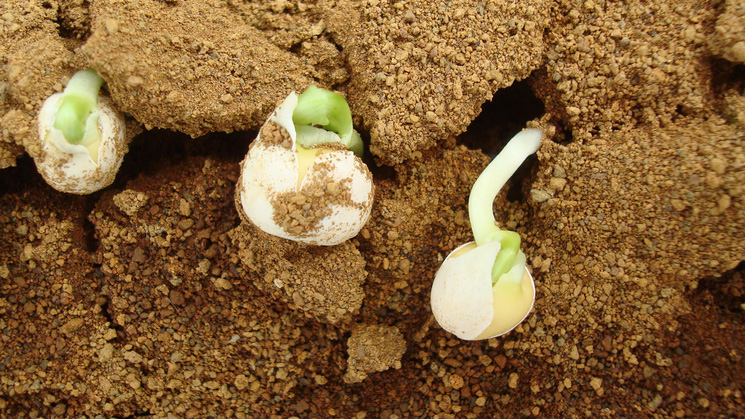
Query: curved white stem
[493, 178]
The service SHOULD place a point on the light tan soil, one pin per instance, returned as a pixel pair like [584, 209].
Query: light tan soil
[153, 298]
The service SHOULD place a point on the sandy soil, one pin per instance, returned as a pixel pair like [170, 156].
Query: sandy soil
[153, 298]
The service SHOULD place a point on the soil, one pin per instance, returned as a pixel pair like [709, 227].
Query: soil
[153, 298]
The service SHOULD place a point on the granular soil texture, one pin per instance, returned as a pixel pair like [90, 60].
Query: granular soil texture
[153, 298]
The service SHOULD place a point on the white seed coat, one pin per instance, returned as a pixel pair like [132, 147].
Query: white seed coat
[270, 170]
[463, 297]
[69, 167]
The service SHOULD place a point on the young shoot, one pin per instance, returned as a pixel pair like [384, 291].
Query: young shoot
[77, 117]
[302, 178]
[82, 137]
[328, 110]
[483, 288]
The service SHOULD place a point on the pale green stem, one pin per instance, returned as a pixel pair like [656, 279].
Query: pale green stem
[485, 190]
[78, 103]
[329, 110]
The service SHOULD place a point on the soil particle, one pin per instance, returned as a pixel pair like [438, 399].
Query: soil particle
[421, 70]
[145, 51]
[328, 288]
[274, 134]
[373, 348]
[728, 38]
[611, 65]
[130, 201]
[164, 300]
[299, 27]
[50, 323]
[602, 183]
[35, 63]
[74, 19]
[301, 213]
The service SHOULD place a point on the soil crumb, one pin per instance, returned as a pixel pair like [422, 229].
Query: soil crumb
[421, 71]
[35, 63]
[328, 287]
[130, 201]
[373, 348]
[728, 39]
[146, 51]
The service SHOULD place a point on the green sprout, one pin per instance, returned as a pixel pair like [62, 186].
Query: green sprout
[328, 110]
[313, 189]
[82, 137]
[483, 288]
[77, 117]
[485, 190]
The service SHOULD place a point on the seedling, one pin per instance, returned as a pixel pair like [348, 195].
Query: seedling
[82, 137]
[483, 288]
[302, 178]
